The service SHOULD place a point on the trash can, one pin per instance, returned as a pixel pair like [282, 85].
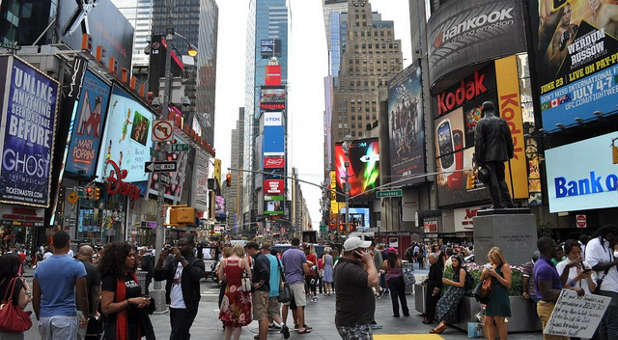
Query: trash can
[419, 297]
[407, 270]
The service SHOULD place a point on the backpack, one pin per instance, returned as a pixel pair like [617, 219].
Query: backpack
[469, 283]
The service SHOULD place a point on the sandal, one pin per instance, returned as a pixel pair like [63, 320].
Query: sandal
[438, 330]
[304, 331]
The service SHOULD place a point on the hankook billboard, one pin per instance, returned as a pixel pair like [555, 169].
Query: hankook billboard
[469, 32]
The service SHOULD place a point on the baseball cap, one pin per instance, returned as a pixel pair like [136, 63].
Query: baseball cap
[355, 243]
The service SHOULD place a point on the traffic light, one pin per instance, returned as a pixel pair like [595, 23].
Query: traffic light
[89, 193]
[97, 193]
[228, 180]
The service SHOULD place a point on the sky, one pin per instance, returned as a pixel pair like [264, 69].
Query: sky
[307, 67]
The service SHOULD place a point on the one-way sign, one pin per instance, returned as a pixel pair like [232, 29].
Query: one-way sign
[160, 167]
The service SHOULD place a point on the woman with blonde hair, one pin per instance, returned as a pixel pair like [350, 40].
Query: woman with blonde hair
[235, 310]
[327, 259]
[498, 305]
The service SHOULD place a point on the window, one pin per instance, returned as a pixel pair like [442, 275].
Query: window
[353, 133]
[374, 117]
[353, 116]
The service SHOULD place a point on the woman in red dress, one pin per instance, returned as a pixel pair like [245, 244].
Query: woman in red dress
[235, 310]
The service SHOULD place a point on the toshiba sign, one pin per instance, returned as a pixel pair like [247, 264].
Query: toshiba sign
[473, 31]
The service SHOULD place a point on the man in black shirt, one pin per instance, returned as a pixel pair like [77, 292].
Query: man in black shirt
[261, 287]
[354, 276]
[93, 283]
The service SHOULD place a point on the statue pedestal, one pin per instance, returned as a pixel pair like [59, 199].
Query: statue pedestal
[515, 234]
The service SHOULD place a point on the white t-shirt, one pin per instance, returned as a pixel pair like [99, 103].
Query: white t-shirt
[47, 255]
[601, 253]
[583, 283]
[177, 300]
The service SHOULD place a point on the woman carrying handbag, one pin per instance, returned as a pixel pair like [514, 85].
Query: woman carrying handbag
[235, 310]
[14, 321]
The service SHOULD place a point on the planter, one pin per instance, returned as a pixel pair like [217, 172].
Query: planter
[419, 297]
[523, 319]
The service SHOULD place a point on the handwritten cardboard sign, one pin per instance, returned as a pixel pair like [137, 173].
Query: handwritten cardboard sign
[576, 316]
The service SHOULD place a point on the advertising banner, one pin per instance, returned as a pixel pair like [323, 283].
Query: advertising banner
[272, 98]
[127, 139]
[406, 130]
[75, 18]
[463, 33]
[359, 218]
[217, 171]
[274, 134]
[273, 75]
[274, 186]
[274, 162]
[364, 160]
[199, 188]
[583, 175]
[270, 48]
[509, 103]
[29, 105]
[219, 206]
[273, 204]
[577, 57]
[464, 218]
[87, 126]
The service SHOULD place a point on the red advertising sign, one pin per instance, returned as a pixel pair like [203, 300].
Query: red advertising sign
[274, 162]
[115, 185]
[273, 75]
[274, 186]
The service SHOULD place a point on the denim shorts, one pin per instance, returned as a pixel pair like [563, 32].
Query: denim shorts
[58, 328]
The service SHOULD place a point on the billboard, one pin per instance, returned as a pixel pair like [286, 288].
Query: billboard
[272, 99]
[219, 206]
[274, 134]
[470, 32]
[274, 162]
[406, 131]
[87, 126]
[29, 105]
[359, 218]
[458, 110]
[273, 204]
[127, 139]
[583, 175]
[75, 18]
[576, 60]
[274, 186]
[270, 48]
[272, 76]
[364, 160]
[199, 188]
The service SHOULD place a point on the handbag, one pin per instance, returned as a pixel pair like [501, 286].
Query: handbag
[245, 283]
[482, 290]
[285, 294]
[13, 319]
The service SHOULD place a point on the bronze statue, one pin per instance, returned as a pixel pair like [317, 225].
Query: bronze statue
[493, 145]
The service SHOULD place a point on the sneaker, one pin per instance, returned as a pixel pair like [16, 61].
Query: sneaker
[376, 326]
[274, 326]
[285, 331]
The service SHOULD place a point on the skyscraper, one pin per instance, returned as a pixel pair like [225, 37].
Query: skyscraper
[267, 37]
[139, 14]
[371, 56]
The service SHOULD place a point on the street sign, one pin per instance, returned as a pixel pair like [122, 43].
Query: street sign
[178, 147]
[581, 222]
[160, 167]
[389, 193]
[165, 179]
[162, 131]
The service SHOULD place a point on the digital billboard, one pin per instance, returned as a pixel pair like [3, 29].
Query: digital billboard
[274, 186]
[458, 110]
[274, 162]
[274, 134]
[273, 204]
[28, 105]
[359, 218]
[270, 48]
[406, 131]
[219, 206]
[364, 169]
[127, 138]
[577, 56]
[272, 99]
[87, 126]
[583, 175]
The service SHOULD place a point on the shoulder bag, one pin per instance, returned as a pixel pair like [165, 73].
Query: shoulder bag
[285, 294]
[245, 282]
[13, 319]
[482, 290]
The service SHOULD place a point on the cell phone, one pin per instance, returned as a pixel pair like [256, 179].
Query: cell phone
[445, 145]
[357, 254]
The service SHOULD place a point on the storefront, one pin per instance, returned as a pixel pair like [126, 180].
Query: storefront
[17, 225]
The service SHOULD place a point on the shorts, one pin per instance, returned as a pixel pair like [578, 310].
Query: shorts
[274, 307]
[298, 294]
[58, 327]
[358, 332]
[260, 305]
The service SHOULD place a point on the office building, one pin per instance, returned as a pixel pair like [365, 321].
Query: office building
[207, 68]
[139, 13]
[233, 194]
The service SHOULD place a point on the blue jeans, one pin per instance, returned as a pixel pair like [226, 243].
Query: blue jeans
[58, 327]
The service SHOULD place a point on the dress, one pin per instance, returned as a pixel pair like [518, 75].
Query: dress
[235, 310]
[499, 303]
[328, 269]
[446, 309]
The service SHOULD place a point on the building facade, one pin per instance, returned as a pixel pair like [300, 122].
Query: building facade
[139, 13]
[207, 67]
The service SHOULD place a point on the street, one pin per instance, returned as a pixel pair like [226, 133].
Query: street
[320, 316]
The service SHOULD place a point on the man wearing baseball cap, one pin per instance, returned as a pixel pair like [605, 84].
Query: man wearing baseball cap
[354, 276]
